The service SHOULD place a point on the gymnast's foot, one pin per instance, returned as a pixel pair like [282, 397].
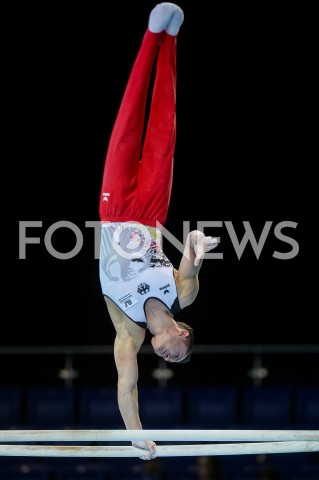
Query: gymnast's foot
[166, 16]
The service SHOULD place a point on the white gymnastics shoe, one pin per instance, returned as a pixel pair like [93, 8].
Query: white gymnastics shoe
[166, 16]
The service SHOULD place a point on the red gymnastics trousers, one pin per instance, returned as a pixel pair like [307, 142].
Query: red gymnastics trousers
[137, 179]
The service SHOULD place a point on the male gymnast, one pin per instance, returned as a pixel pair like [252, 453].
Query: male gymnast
[141, 288]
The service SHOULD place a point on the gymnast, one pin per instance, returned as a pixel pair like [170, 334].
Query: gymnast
[141, 287]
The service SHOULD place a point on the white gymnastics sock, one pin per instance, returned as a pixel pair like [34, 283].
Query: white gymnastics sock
[165, 16]
[175, 21]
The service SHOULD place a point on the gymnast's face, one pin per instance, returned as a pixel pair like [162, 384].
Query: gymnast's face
[172, 347]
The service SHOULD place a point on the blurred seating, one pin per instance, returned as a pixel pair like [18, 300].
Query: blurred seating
[50, 408]
[20, 470]
[212, 407]
[81, 471]
[266, 407]
[10, 407]
[98, 408]
[161, 407]
[287, 465]
[307, 407]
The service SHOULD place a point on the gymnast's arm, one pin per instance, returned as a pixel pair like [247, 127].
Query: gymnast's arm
[197, 244]
[125, 352]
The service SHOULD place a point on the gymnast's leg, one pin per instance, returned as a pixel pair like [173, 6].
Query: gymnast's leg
[123, 172]
[156, 169]
[123, 155]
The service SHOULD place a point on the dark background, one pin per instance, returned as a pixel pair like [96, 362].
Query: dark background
[245, 134]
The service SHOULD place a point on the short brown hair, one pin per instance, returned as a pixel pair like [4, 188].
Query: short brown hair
[189, 340]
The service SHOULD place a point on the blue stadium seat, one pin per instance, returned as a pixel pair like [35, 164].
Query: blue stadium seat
[177, 466]
[266, 407]
[287, 469]
[239, 466]
[161, 407]
[98, 408]
[303, 476]
[307, 407]
[212, 407]
[50, 407]
[311, 468]
[243, 476]
[118, 468]
[25, 471]
[10, 407]
[81, 472]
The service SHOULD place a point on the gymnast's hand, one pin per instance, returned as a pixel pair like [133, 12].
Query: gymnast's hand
[202, 245]
[146, 445]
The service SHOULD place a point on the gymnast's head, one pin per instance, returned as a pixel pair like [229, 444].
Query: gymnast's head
[176, 344]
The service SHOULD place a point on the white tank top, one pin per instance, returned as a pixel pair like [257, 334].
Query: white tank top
[134, 268]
